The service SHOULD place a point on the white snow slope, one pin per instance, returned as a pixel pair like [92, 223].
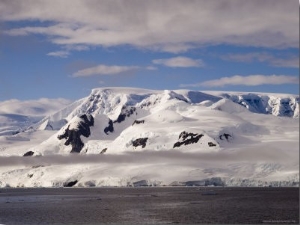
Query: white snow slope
[159, 138]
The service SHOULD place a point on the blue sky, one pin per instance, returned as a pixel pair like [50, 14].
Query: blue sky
[64, 48]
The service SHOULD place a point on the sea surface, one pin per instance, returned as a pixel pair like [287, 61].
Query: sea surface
[149, 205]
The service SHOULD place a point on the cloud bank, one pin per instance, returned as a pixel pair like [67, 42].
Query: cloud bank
[291, 61]
[179, 62]
[169, 25]
[61, 54]
[251, 80]
[40, 107]
[104, 70]
[158, 157]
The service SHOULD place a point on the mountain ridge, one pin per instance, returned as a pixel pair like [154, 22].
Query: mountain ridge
[115, 122]
[192, 96]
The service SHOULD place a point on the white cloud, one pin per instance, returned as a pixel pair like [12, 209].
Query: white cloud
[251, 80]
[61, 54]
[68, 48]
[39, 107]
[169, 25]
[104, 70]
[179, 62]
[248, 57]
[77, 48]
[290, 61]
[173, 48]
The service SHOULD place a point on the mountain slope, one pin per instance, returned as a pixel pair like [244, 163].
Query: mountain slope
[275, 104]
[124, 135]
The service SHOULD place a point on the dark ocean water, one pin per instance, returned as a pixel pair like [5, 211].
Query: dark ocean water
[150, 205]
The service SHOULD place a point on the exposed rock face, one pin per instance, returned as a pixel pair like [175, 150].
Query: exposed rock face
[140, 142]
[138, 122]
[211, 144]
[29, 153]
[186, 138]
[225, 137]
[125, 112]
[103, 151]
[70, 183]
[109, 128]
[80, 126]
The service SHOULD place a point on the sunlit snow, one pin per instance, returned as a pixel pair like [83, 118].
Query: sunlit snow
[240, 138]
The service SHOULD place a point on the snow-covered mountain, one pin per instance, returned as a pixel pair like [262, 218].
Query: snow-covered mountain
[16, 115]
[125, 136]
[275, 104]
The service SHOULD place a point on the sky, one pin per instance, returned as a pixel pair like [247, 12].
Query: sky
[64, 48]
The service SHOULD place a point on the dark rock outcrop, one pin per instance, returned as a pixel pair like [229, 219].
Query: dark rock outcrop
[29, 153]
[73, 138]
[225, 136]
[70, 183]
[140, 142]
[73, 135]
[145, 105]
[138, 122]
[109, 128]
[186, 138]
[211, 144]
[103, 151]
[125, 112]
